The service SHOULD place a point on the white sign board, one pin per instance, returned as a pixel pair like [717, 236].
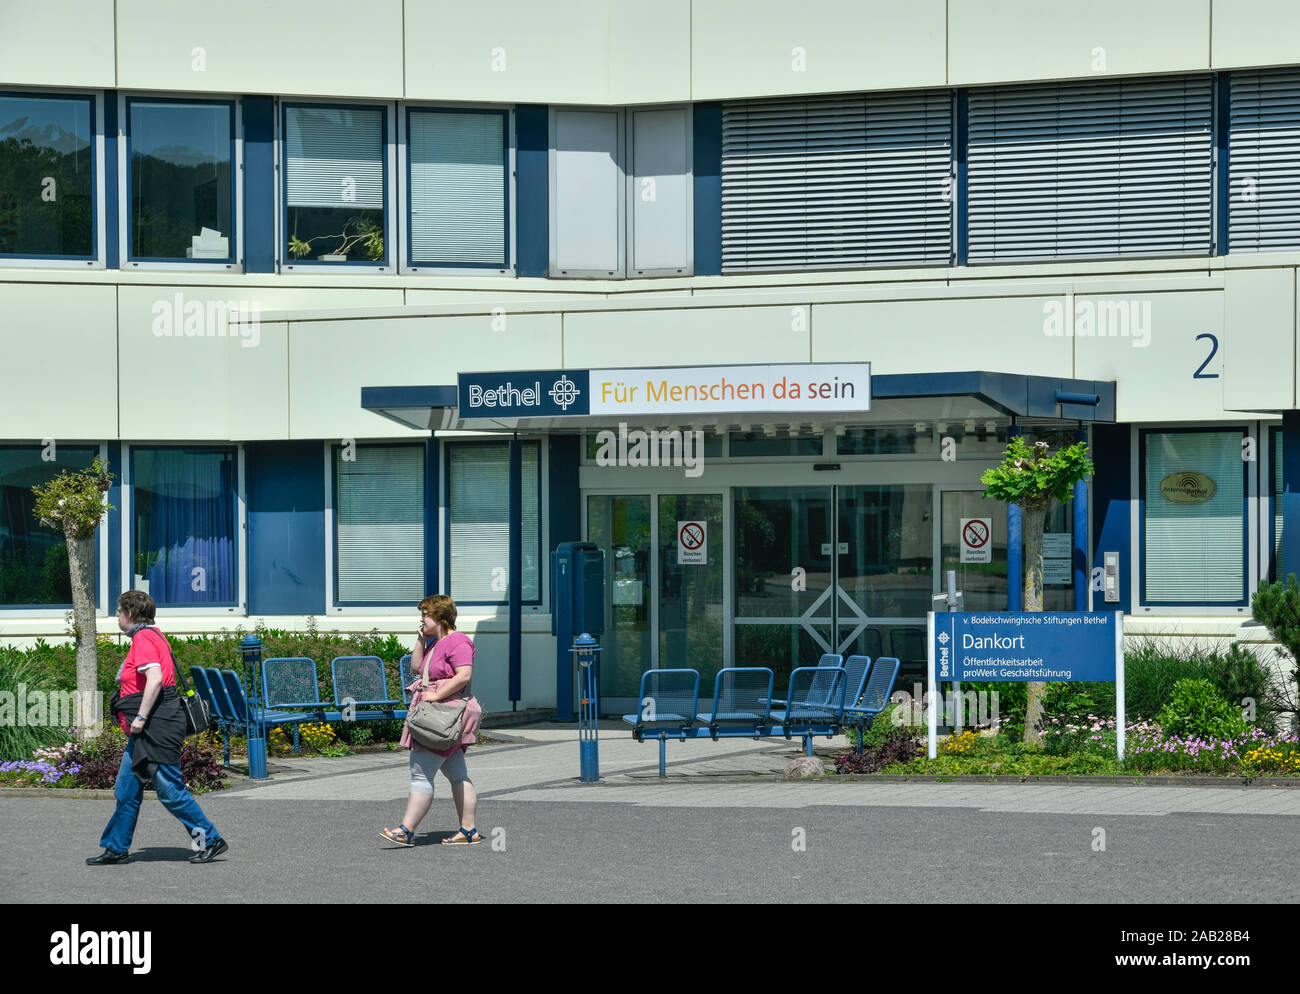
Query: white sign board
[807, 388]
[976, 540]
[1057, 559]
[692, 543]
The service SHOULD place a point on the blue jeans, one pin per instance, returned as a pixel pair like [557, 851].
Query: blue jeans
[174, 795]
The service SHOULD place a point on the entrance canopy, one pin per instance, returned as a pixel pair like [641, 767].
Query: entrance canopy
[699, 396]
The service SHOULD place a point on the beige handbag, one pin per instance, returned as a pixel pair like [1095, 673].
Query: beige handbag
[435, 724]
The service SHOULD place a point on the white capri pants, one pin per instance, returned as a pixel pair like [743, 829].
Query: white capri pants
[425, 764]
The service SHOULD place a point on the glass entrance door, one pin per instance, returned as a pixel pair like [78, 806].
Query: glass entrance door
[621, 526]
[831, 569]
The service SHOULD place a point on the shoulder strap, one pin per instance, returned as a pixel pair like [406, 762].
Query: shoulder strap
[180, 677]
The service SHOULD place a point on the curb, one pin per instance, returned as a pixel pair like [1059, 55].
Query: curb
[1114, 781]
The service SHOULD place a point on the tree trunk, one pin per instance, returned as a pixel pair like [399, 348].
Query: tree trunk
[1031, 525]
[81, 571]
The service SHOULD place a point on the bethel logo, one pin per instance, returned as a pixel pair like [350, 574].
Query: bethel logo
[77, 948]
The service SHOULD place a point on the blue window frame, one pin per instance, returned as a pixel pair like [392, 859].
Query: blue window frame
[457, 188]
[184, 525]
[33, 558]
[477, 530]
[48, 176]
[1194, 543]
[180, 176]
[379, 525]
[334, 199]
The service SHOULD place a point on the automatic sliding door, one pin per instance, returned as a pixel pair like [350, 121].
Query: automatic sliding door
[621, 527]
[784, 579]
[690, 585]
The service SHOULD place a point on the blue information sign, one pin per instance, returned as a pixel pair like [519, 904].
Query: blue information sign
[1052, 646]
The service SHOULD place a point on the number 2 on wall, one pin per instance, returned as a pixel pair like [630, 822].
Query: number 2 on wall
[1214, 348]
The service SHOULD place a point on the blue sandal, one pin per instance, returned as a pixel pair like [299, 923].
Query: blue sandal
[465, 837]
[402, 835]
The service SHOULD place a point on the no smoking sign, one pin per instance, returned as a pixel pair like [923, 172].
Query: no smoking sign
[976, 540]
[692, 543]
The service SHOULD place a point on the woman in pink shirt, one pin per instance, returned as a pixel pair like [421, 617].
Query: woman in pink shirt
[450, 664]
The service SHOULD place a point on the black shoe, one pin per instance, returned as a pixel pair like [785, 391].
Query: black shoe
[107, 858]
[210, 853]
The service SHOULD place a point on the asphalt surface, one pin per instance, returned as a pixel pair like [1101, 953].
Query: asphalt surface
[302, 851]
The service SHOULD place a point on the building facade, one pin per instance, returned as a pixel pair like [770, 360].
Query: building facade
[253, 260]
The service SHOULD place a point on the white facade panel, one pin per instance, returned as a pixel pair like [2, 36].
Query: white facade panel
[696, 336]
[995, 41]
[59, 361]
[330, 361]
[329, 48]
[1259, 339]
[649, 51]
[757, 48]
[508, 50]
[918, 336]
[1255, 33]
[1176, 376]
[59, 43]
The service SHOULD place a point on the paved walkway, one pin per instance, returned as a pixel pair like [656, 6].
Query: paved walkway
[540, 763]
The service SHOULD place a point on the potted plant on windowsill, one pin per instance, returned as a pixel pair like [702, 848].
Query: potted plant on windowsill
[356, 231]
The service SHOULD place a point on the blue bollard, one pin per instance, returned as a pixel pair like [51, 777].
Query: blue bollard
[250, 651]
[585, 651]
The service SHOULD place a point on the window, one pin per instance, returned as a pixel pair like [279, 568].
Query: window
[825, 182]
[181, 181]
[1074, 170]
[1194, 517]
[746, 444]
[458, 190]
[183, 526]
[1279, 550]
[379, 524]
[33, 558]
[617, 210]
[47, 176]
[1264, 161]
[478, 511]
[335, 185]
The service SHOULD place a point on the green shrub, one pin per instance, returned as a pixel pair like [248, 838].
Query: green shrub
[1195, 708]
[18, 740]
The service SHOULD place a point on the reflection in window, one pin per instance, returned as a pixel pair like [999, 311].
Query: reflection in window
[334, 184]
[46, 176]
[33, 558]
[182, 186]
[183, 526]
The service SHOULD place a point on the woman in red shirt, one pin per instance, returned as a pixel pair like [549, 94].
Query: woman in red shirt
[450, 665]
[149, 711]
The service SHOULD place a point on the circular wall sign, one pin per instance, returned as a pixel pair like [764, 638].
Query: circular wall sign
[1187, 488]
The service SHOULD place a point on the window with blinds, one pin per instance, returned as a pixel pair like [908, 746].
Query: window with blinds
[478, 495]
[457, 196]
[1264, 160]
[1071, 170]
[839, 181]
[1194, 551]
[334, 184]
[379, 535]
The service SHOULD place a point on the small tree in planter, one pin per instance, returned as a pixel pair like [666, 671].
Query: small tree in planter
[1031, 479]
[74, 501]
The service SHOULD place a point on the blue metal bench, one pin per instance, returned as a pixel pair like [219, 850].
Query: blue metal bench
[289, 683]
[360, 682]
[742, 702]
[815, 703]
[217, 703]
[875, 696]
[828, 659]
[668, 702]
[244, 712]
